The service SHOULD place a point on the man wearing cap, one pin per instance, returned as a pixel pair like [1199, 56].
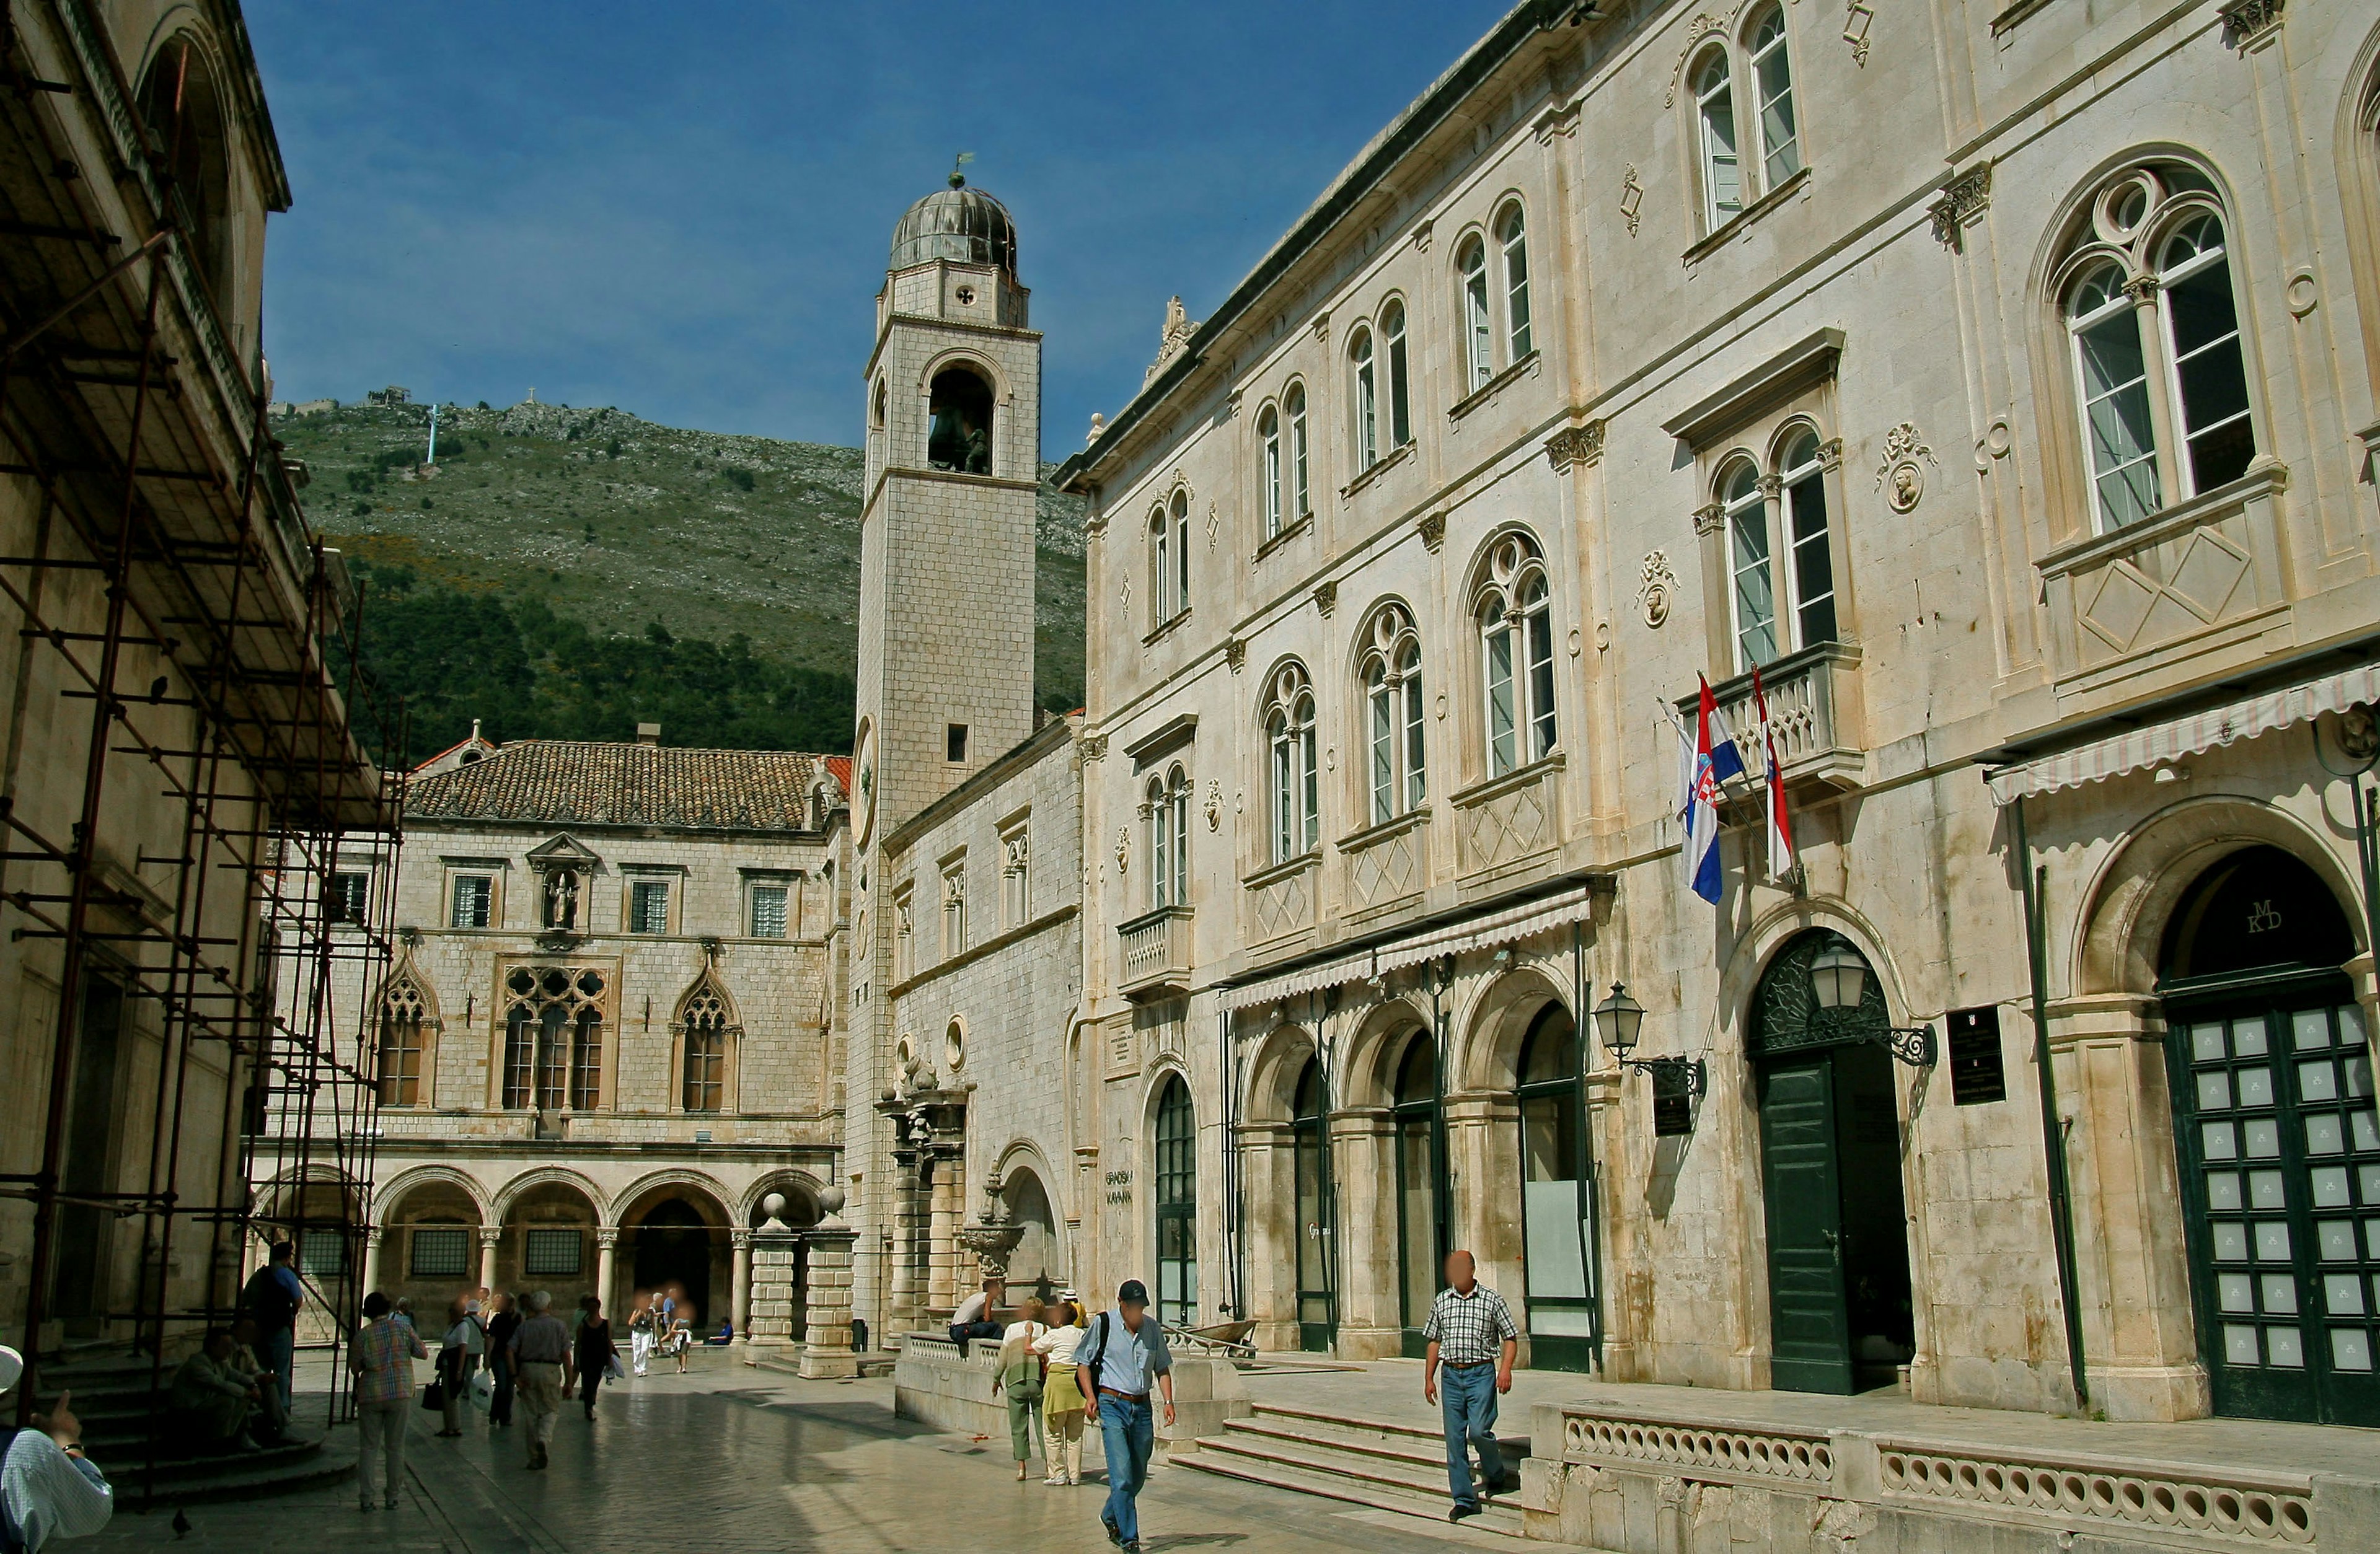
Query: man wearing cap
[1123, 1352]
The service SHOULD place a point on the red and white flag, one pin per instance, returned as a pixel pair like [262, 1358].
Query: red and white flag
[1780, 828]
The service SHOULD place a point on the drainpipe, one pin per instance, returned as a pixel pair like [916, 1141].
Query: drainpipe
[2053, 1134]
[1235, 1194]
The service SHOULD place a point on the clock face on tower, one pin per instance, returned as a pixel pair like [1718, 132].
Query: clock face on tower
[863, 774]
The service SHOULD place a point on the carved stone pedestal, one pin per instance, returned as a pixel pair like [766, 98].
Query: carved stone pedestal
[776, 1252]
[827, 1350]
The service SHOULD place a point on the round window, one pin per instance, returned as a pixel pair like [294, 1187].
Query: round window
[955, 1045]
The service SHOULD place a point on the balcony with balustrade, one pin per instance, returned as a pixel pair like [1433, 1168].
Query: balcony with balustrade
[1815, 711]
[1155, 948]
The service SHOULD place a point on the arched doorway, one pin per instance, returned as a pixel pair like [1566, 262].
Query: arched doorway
[673, 1252]
[1840, 1318]
[1420, 1169]
[1177, 1205]
[1318, 1283]
[2277, 1141]
[1556, 1195]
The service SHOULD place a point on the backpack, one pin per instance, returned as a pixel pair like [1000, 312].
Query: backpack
[268, 1301]
[1086, 1367]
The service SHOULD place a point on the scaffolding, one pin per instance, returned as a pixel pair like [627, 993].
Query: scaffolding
[184, 805]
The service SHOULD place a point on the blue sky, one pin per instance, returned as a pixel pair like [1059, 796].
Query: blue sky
[683, 209]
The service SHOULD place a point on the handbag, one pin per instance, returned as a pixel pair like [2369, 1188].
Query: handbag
[433, 1397]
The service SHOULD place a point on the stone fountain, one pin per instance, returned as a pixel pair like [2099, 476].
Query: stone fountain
[994, 1235]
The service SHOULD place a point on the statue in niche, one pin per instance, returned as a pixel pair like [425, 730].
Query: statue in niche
[561, 900]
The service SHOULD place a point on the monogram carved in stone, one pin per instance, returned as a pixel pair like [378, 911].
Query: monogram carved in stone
[1857, 16]
[1631, 199]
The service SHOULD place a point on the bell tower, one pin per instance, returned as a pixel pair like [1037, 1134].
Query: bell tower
[953, 389]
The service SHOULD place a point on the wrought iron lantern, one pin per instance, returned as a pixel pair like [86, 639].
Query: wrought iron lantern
[1838, 981]
[1620, 1020]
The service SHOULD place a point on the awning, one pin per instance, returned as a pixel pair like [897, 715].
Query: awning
[2172, 741]
[1505, 926]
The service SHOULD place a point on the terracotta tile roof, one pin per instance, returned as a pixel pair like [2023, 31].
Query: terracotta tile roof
[841, 766]
[568, 781]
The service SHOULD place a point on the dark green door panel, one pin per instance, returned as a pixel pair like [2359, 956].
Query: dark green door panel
[1810, 1328]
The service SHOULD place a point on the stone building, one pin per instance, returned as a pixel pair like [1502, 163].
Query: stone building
[1998, 383]
[612, 1029]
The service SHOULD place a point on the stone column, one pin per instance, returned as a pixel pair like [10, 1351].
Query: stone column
[902, 1277]
[488, 1236]
[739, 1309]
[775, 1249]
[607, 1241]
[826, 1347]
[949, 1210]
[371, 1259]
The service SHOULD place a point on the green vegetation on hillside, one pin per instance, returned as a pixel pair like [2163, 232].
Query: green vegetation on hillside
[543, 521]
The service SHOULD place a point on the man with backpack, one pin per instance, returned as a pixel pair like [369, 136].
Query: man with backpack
[273, 1297]
[1117, 1361]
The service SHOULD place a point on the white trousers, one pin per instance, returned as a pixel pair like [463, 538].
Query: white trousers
[641, 1347]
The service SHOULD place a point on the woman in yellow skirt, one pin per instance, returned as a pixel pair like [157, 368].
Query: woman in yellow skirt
[1062, 1409]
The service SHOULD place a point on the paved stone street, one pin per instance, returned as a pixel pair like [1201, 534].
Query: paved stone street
[739, 1460]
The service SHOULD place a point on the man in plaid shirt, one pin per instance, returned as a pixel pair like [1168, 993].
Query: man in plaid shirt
[1470, 1330]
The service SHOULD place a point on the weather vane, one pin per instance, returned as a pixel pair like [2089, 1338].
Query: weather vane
[958, 174]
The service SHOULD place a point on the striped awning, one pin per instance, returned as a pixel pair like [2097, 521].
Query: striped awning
[2180, 738]
[1504, 926]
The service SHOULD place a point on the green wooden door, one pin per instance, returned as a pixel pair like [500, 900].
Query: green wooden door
[2279, 1147]
[1809, 1319]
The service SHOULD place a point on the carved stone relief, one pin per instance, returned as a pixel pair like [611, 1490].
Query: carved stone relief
[1900, 475]
[1654, 586]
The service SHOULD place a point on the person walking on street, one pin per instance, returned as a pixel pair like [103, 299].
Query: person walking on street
[640, 1331]
[382, 1358]
[454, 1368]
[595, 1352]
[1020, 1378]
[503, 1321]
[1124, 1353]
[48, 1488]
[273, 1296]
[540, 1347]
[1472, 1339]
[1062, 1405]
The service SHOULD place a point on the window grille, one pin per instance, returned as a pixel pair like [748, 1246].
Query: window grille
[443, 1252]
[546, 1252]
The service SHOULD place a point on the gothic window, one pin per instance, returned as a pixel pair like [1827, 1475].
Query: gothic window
[1512, 231]
[1167, 805]
[1390, 670]
[2154, 323]
[1514, 608]
[904, 938]
[1181, 512]
[1392, 347]
[704, 1022]
[768, 911]
[954, 909]
[1300, 487]
[554, 1037]
[1366, 399]
[1714, 88]
[1268, 433]
[1015, 876]
[648, 907]
[1753, 591]
[473, 903]
[1478, 333]
[1295, 783]
[959, 422]
[1772, 80]
[397, 1061]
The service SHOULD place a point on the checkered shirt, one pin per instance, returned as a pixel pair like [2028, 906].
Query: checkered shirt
[1469, 1328]
[382, 1357]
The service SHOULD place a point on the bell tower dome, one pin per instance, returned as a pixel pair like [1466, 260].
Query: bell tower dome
[953, 406]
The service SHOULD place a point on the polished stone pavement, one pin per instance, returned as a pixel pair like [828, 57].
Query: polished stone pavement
[737, 1459]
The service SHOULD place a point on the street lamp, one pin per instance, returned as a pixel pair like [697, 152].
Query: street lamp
[1838, 980]
[1620, 1020]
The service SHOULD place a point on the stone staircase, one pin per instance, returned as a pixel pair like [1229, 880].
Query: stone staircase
[116, 1402]
[1388, 1467]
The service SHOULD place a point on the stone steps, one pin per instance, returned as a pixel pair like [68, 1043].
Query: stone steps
[114, 1398]
[1387, 1466]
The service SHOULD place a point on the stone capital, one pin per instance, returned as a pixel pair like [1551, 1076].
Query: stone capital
[607, 1235]
[741, 1238]
[491, 1234]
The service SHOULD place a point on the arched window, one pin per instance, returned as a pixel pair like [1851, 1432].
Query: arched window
[1160, 567]
[180, 102]
[959, 422]
[1317, 1260]
[1811, 565]
[1181, 551]
[554, 1037]
[1772, 79]
[1167, 804]
[1390, 668]
[2154, 323]
[1753, 591]
[1366, 399]
[1512, 232]
[704, 1073]
[1392, 347]
[1300, 491]
[1713, 87]
[1177, 1205]
[1557, 1202]
[1268, 434]
[1513, 608]
[1478, 334]
[397, 1061]
[1296, 783]
[1415, 1111]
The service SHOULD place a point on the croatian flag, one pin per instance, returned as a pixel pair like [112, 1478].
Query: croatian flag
[1701, 816]
[1781, 829]
[1718, 740]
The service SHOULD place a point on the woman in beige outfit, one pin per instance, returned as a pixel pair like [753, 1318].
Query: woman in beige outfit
[1063, 1408]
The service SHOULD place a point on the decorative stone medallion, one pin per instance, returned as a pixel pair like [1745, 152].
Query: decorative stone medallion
[1900, 475]
[1655, 583]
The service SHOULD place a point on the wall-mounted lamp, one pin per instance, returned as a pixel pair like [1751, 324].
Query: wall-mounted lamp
[1619, 1019]
[1839, 979]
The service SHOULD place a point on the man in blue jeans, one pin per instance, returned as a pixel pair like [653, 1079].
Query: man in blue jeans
[1472, 1339]
[1122, 1353]
[273, 1297]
